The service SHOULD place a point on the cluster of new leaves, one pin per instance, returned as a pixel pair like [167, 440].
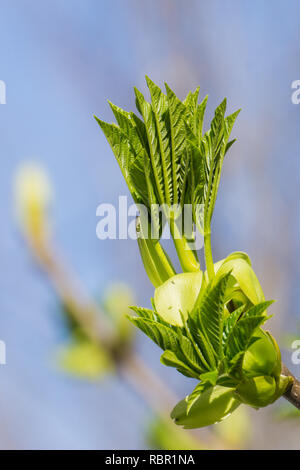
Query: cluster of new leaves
[207, 323]
[211, 344]
[165, 158]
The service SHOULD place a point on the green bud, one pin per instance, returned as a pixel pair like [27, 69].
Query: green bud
[262, 391]
[282, 385]
[178, 296]
[258, 391]
[213, 405]
[263, 357]
[243, 280]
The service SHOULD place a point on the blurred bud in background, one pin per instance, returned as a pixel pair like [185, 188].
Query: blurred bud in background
[33, 194]
[88, 360]
[117, 299]
[164, 434]
[84, 359]
[236, 429]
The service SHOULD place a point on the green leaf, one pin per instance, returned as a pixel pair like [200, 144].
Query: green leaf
[180, 157]
[170, 359]
[213, 147]
[205, 357]
[229, 145]
[245, 277]
[129, 154]
[210, 315]
[207, 352]
[229, 123]
[235, 366]
[177, 295]
[258, 309]
[144, 313]
[217, 125]
[149, 118]
[162, 335]
[191, 100]
[231, 321]
[192, 357]
[200, 118]
[227, 381]
[127, 125]
[238, 255]
[162, 119]
[131, 129]
[153, 202]
[212, 405]
[122, 149]
[190, 103]
[151, 315]
[240, 335]
[141, 130]
[210, 377]
[198, 390]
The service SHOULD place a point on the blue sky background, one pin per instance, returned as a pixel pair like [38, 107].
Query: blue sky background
[61, 60]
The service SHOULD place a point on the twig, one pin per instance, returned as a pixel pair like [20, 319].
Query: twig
[77, 301]
[293, 392]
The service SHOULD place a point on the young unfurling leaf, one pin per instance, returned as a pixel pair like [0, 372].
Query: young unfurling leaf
[242, 332]
[210, 314]
[211, 405]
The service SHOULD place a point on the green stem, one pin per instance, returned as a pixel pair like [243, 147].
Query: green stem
[208, 255]
[156, 261]
[165, 260]
[186, 256]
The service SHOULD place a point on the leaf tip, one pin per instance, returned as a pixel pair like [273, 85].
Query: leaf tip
[98, 120]
[168, 89]
[148, 80]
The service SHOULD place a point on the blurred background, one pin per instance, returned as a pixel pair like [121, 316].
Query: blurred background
[61, 61]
